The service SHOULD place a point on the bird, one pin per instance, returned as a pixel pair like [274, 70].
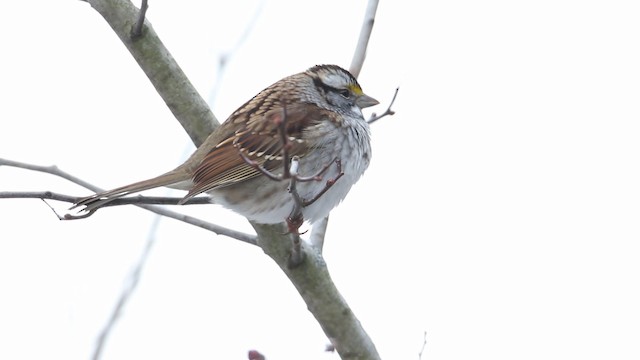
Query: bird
[312, 119]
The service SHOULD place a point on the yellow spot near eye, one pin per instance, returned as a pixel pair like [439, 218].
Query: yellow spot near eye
[355, 89]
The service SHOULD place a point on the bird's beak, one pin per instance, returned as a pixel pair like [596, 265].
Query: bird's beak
[365, 101]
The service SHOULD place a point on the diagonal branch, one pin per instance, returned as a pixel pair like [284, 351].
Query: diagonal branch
[313, 281]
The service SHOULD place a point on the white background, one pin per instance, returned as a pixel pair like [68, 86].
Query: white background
[500, 213]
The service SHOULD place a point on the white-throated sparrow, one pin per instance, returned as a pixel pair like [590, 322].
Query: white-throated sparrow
[316, 113]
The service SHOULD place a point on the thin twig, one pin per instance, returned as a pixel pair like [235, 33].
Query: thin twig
[125, 295]
[133, 200]
[387, 112]
[328, 184]
[424, 345]
[295, 219]
[226, 56]
[49, 195]
[53, 170]
[136, 32]
[256, 165]
[284, 140]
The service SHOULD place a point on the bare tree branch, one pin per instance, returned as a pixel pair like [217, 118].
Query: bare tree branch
[134, 200]
[228, 55]
[53, 170]
[125, 295]
[312, 280]
[363, 41]
[424, 345]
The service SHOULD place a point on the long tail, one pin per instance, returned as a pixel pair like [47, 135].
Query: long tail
[94, 202]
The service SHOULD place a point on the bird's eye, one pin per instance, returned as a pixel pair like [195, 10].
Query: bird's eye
[345, 93]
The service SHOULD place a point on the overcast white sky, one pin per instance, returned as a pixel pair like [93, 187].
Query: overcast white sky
[500, 213]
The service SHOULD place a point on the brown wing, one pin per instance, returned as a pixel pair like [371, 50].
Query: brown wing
[259, 138]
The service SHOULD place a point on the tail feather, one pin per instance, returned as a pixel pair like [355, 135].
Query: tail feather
[96, 201]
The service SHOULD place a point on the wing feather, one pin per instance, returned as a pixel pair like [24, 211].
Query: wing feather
[259, 139]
